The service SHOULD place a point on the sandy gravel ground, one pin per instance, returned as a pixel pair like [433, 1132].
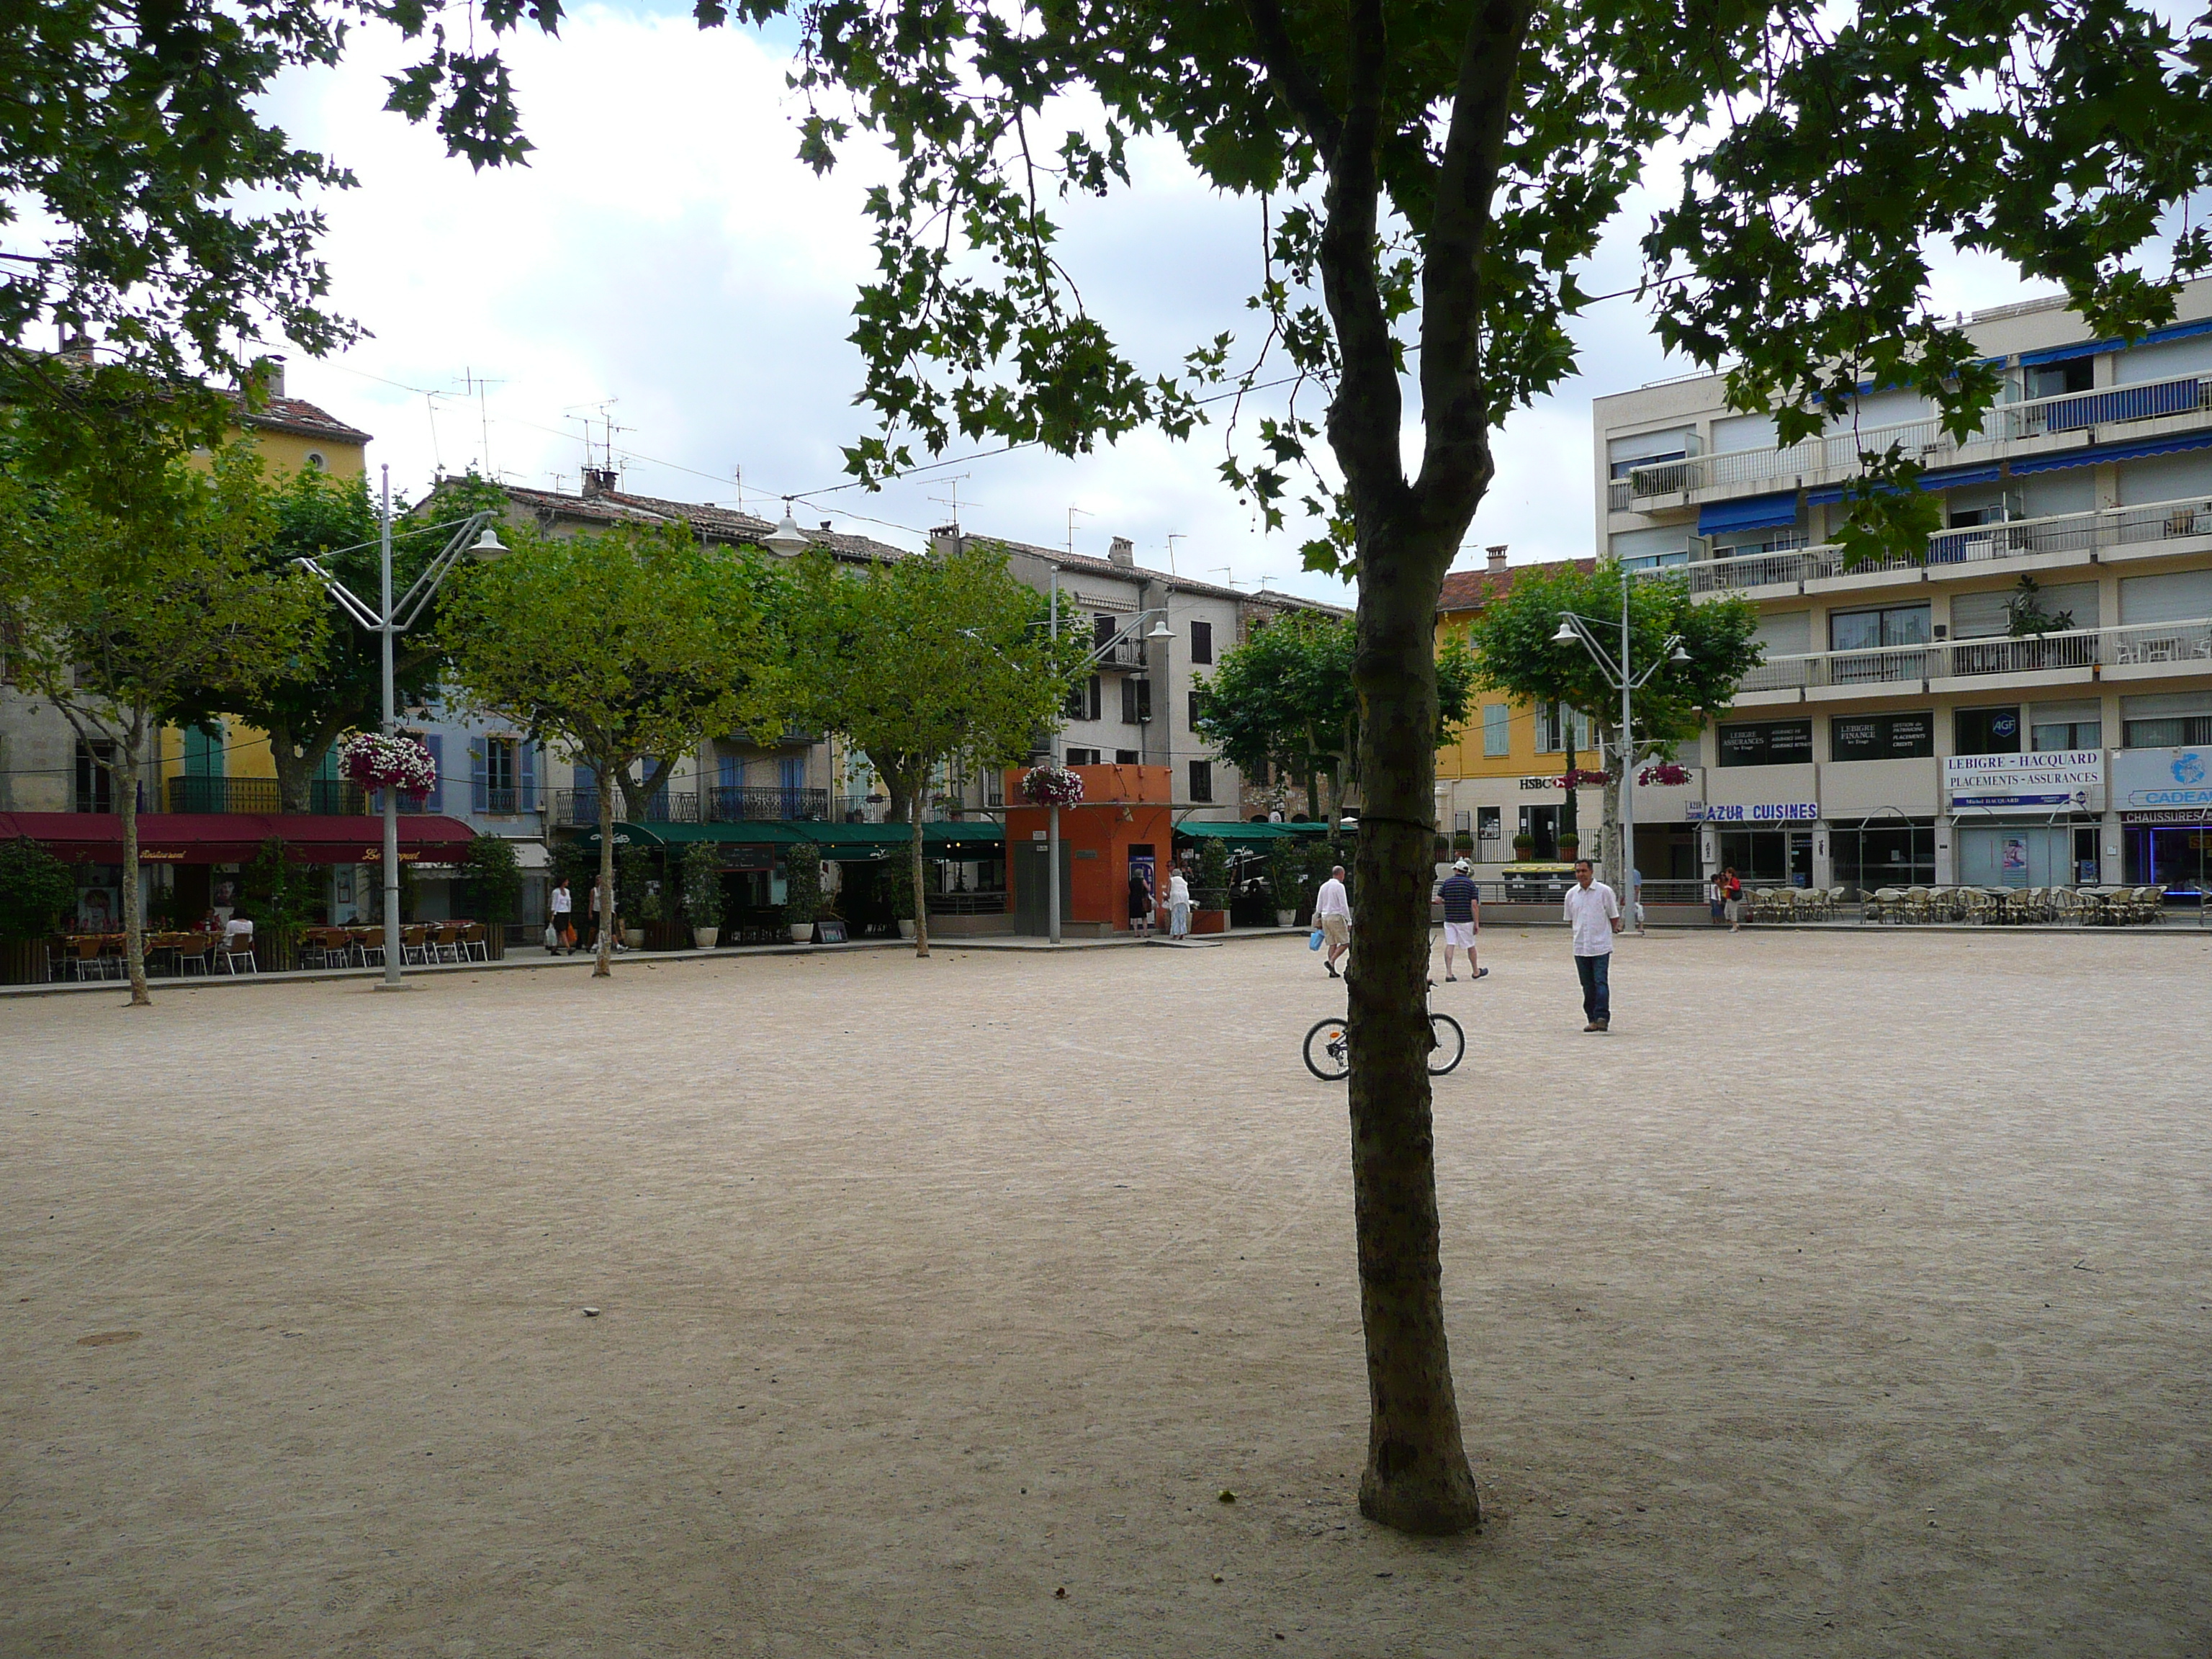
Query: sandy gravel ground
[1851, 1298]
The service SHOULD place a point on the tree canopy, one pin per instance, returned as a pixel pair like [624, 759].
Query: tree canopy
[943, 658]
[633, 645]
[117, 619]
[1285, 699]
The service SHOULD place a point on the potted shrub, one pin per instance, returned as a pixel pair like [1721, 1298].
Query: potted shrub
[802, 889]
[637, 896]
[894, 881]
[702, 894]
[1287, 882]
[1570, 845]
[493, 890]
[35, 889]
[1210, 900]
[1463, 842]
[1524, 847]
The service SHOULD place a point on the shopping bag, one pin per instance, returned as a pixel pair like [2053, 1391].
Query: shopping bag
[1313, 944]
[568, 937]
[552, 938]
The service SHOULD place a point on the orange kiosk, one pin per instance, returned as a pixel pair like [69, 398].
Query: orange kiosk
[1125, 819]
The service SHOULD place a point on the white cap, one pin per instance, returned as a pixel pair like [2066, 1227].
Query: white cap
[1461, 866]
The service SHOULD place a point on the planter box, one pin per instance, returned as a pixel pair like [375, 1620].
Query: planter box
[23, 962]
[705, 939]
[1209, 922]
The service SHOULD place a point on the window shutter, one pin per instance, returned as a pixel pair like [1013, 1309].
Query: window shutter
[479, 792]
[435, 742]
[525, 769]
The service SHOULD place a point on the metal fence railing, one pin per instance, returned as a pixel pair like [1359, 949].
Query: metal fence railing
[1923, 440]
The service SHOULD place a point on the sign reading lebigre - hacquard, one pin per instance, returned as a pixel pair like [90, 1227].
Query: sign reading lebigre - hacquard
[2068, 779]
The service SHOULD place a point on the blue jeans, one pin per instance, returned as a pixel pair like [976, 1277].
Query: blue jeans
[1596, 995]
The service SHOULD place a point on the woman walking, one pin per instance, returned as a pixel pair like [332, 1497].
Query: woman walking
[1178, 905]
[1141, 901]
[1732, 894]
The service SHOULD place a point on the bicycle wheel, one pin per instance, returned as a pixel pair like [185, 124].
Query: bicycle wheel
[1329, 1053]
[1446, 1043]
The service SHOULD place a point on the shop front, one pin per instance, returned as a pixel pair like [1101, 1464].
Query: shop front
[2164, 797]
[2025, 820]
[1767, 844]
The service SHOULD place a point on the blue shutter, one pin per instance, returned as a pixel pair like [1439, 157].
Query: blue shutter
[435, 742]
[479, 790]
[732, 772]
[525, 775]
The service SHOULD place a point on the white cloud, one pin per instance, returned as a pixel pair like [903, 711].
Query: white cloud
[664, 249]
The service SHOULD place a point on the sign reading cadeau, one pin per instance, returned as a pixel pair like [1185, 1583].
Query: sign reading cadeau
[2162, 780]
[2072, 778]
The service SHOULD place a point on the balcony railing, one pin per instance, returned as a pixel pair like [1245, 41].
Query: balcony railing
[329, 797]
[575, 809]
[1924, 441]
[2141, 645]
[508, 800]
[2080, 533]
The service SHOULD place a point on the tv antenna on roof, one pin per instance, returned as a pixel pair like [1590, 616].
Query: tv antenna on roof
[953, 499]
[1175, 536]
[1072, 512]
[474, 384]
[1227, 573]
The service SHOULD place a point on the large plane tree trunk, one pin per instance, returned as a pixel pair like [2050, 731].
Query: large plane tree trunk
[1416, 1478]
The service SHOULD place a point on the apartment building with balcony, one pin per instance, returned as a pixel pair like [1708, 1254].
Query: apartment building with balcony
[2025, 700]
[1140, 704]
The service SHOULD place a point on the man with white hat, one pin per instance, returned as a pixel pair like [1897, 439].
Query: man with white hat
[1462, 919]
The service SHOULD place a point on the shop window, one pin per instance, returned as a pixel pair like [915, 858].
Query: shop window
[1986, 730]
[1488, 823]
[1766, 743]
[1891, 627]
[2063, 726]
[1882, 736]
[1883, 852]
[1201, 781]
[1201, 642]
[1497, 729]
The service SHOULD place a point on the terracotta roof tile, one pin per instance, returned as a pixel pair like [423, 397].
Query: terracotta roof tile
[297, 414]
[1470, 590]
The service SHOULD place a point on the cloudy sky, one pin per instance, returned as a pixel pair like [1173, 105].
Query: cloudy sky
[664, 262]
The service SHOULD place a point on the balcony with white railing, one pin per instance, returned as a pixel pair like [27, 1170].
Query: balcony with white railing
[2142, 651]
[2149, 530]
[1833, 457]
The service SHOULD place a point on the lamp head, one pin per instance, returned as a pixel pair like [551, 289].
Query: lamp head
[1160, 630]
[1566, 634]
[488, 547]
[787, 540]
[1680, 654]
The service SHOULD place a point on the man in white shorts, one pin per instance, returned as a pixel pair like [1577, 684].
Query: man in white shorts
[1462, 903]
[1332, 916]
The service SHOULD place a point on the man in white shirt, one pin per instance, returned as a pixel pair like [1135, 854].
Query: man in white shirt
[1332, 916]
[1594, 916]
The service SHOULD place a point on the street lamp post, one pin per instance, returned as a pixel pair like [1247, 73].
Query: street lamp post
[1574, 630]
[388, 621]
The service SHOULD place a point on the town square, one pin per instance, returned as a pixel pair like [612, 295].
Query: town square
[849, 1303]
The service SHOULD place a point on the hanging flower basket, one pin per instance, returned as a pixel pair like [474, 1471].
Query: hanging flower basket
[1665, 773]
[377, 762]
[1051, 786]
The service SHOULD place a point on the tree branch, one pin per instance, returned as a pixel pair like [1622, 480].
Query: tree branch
[1454, 403]
[1363, 416]
[1293, 82]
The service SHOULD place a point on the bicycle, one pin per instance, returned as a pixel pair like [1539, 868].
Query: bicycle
[1328, 1048]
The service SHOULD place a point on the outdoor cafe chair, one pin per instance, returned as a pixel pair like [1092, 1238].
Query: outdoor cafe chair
[1915, 904]
[92, 960]
[415, 944]
[475, 943]
[233, 949]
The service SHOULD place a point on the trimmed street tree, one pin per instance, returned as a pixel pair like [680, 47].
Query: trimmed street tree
[942, 658]
[633, 644]
[116, 617]
[1286, 699]
[1511, 637]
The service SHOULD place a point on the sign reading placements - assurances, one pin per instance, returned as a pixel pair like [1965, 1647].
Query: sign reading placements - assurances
[2069, 778]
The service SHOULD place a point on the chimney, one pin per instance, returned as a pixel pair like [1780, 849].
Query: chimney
[1497, 559]
[945, 538]
[272, 375]
[77, 345]
[1122, 552]
[600, 481]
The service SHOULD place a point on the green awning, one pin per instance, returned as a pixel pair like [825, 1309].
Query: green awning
[1267, 833]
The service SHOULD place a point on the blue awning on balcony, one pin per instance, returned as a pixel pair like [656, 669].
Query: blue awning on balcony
[1753, 512]
[1947, 477]
[2090, 455]
[2090, 347]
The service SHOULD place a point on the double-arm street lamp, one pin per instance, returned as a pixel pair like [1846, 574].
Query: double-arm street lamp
[1617, 674]
[475, 539]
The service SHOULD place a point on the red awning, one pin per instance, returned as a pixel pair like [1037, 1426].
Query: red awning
[236, 837]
